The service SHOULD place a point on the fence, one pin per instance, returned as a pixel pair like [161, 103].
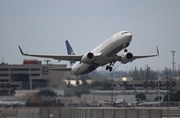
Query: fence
[99, 113]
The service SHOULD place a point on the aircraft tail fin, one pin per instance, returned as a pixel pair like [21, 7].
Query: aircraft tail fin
[70, 51]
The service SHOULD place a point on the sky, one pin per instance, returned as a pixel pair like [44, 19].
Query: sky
[42, 26]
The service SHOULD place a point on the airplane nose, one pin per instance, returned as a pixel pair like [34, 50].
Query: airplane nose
[129, 37]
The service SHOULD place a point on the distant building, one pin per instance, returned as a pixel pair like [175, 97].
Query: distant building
[32, 74]
[138, 84]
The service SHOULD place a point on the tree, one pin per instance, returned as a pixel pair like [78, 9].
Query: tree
[5, 91]
[84, 77]
[8, 86]
[134, 73]
[96, 84]
[84, 82]
[13, 90]
[125, 84]
[157, 98]
[2, 85]
[177, 96]
[69, 84]
[173, 84]
[167, 84]
[140, 96]
[171, 96]
[160, 84]
[145, 85]
[152, 84]
[25, 85]
[77, 82]
[47, 94]
[106, 86]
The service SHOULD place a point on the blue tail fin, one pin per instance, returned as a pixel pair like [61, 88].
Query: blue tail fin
[70, 51]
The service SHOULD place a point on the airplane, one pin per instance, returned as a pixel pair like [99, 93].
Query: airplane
[132, 104]
[150, 103]
[12, 103]
[104, 54]
[120, 101]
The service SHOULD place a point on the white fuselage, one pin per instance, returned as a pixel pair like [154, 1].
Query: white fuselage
[105, 51]
[149, 103]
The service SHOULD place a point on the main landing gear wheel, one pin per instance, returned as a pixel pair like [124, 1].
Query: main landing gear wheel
[109, 68]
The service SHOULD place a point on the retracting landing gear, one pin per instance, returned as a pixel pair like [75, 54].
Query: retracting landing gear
[125, 50]
[110, 66]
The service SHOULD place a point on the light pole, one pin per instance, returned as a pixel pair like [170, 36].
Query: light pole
[112, 88]
[168, 97]
[173, 63]
[147, 76]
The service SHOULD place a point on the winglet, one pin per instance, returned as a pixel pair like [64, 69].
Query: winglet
[20, 50]
[158, 52]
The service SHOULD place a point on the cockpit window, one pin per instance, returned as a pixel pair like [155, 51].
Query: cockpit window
[124, 32]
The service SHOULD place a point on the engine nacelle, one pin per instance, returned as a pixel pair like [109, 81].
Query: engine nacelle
[87, 58]
[126, 57]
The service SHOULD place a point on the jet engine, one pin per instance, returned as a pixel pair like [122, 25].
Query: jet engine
[87, 58]
[126, 57]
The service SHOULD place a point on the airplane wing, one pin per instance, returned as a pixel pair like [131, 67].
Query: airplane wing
[119, 58]
[145, 56]
[57, 57]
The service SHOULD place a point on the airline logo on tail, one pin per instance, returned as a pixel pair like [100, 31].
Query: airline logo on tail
[70, 51]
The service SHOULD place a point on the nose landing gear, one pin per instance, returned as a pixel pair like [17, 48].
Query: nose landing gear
[125, 46]
[125, 50]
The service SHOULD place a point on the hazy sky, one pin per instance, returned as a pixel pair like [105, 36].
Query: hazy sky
[42, 26]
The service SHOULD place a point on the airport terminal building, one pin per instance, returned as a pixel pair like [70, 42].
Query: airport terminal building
[32, 74]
